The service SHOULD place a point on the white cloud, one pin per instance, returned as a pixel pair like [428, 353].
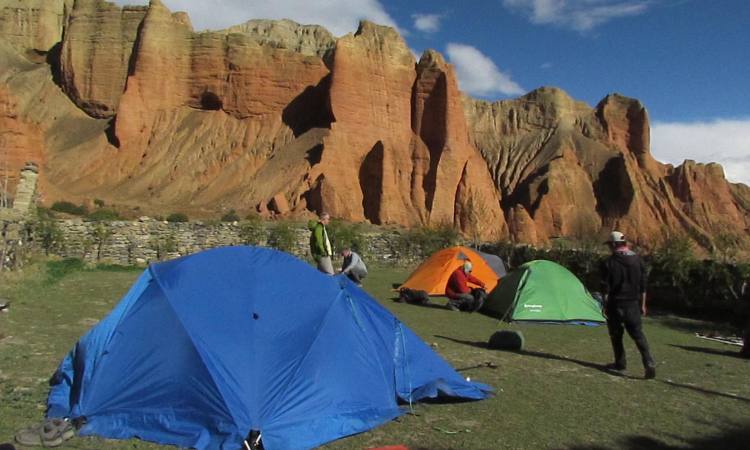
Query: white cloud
[338, 16]
[579, 15]
[477, 74]
[428, 23]
[546, 65]
[723, 141]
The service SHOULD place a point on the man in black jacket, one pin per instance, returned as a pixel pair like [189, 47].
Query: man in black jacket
[624, 285]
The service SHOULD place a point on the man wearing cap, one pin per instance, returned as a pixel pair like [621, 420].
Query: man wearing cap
[459, 293]
[624, 285]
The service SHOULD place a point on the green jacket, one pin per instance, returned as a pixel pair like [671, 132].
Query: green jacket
[319, 244]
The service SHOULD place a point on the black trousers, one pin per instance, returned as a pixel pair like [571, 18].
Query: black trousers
[623, 316]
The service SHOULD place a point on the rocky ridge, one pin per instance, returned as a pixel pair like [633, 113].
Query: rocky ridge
[132, 106]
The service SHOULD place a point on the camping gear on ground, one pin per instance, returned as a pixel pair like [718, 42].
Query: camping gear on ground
[543, 291]
[432, 275]
[506, 340]
[413, 296]
[206, 348]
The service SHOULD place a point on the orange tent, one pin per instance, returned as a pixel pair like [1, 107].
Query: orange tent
[432, 275]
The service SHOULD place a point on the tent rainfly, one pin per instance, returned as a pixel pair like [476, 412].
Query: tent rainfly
[543, 291]
[432, 275]
[205, 349]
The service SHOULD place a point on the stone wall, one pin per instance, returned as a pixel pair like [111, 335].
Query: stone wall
[148, 240]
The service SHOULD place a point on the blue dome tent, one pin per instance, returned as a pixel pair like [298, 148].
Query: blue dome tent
[205, 348]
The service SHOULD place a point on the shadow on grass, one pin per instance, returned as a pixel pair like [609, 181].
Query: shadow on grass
[705, 391]
[730, 436]
[428, 305]
[586, 364]
[691, 325]
[710, 351]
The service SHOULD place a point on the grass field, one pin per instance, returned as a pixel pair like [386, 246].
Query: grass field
[555, 394]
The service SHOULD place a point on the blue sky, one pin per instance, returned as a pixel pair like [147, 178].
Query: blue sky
[688, 61]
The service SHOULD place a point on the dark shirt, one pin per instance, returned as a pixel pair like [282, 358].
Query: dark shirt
[624, 276]
[458, 283]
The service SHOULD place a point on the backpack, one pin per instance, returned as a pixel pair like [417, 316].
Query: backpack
[413, 296]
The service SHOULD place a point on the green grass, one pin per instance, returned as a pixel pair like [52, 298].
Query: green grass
[553, 395]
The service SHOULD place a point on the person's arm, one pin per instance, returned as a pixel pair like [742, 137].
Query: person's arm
[644, 285]
[604, 283]
[475, 280]
[352, 262]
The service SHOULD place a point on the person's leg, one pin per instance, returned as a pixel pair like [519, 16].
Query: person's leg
[745, 352]
[460, 302]
[634, 327]
[325, 265]
[616, 331]
[353, 276]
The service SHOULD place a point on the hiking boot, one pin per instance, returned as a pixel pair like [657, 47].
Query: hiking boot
[51, 433]
[650, 373]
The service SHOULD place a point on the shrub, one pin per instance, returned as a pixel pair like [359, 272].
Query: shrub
[69, 208]
[163, 245]
[343, 235]
[177, 217]
[99, 203]
[99, 235]
[422, 242]
[282, 236]
[49, 235]
[103, 215]
[252, 231]
[230, 216]
[56, 270]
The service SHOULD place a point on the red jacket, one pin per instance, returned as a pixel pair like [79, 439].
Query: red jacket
[458, 283]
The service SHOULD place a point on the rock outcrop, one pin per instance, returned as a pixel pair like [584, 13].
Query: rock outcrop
[33, 25]
[573, 170]
[131, 106]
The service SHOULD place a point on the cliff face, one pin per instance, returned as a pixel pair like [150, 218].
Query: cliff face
[133, 107]
[566, 169]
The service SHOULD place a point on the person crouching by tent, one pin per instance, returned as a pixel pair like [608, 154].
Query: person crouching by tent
[353, 266]
[624, 286]
[320, 245]
[460, 296]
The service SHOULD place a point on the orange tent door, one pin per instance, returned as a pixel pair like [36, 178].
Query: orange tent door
[432, 275]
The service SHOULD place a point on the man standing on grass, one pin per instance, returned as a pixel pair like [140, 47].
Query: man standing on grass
[624, 286]
[320, 245]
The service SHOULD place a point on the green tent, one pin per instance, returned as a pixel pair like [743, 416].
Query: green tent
[543, 291]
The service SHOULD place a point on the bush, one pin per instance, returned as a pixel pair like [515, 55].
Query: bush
[346, 235]
[103, 215]
[177, 217]
[230, 216]
[69, 208]
[423, 242]
[99, 203]
[56, 270]
[282, 236]
[252, 231]
[49, 235]
[163, 245]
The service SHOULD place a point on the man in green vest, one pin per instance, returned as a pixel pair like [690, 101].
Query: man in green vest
[320, 245]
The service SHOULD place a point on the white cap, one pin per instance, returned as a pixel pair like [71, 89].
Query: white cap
[615, 237]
